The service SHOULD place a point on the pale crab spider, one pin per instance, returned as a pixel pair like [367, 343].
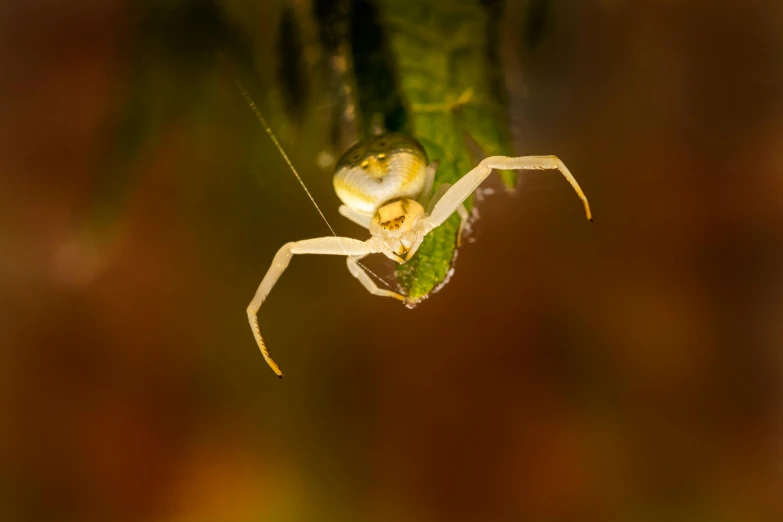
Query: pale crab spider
[385, 184]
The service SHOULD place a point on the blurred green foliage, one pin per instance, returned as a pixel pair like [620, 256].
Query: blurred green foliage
[424, 67]
[173, 59]
[455, 99]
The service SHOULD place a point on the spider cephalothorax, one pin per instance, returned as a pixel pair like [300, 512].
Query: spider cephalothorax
[396, 223]
[386, 186]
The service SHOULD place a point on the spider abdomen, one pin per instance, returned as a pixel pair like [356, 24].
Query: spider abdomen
[379, 169]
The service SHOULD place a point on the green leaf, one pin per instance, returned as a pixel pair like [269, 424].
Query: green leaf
[445, 74]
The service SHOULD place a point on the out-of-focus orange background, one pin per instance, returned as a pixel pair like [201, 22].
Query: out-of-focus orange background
[626, 370]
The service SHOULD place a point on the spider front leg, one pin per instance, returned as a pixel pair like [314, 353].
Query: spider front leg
[463, 188]
[364, 278]
[323, 245]
[461, 210]
[427, 197]
[360, 218]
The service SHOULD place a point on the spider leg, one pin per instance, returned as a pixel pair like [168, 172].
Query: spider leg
[323, 245]
[439, 193]
[429, 180]
[543, 163]
[463, 188]
[461, 210]
[463, 216]
[361, 219]
[364, 278]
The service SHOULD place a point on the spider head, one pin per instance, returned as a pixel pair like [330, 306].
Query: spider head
[394, 224]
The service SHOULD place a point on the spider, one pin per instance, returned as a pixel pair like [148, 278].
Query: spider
[385, 184]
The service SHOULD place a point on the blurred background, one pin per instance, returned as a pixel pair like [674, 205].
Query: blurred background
[626, 370]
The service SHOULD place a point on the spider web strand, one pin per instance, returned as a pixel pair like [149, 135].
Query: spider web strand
[271, 134]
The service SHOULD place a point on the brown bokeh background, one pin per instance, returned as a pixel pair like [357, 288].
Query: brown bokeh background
[626, 370]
